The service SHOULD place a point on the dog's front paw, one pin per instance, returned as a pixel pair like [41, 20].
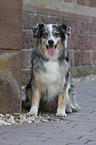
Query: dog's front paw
[61, 112]
[33, 111]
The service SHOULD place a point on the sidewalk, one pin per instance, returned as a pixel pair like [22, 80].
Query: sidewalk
[77, 128]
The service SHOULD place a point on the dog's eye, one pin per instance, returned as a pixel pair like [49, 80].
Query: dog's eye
[56, 34]
[45, 35]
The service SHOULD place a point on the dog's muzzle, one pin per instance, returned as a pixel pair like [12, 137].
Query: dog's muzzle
[51, 44]
[51, 47]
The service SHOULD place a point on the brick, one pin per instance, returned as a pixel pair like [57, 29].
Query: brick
[92, 3]
[93, 57]
[11, 4]
[49, 19]
[83, 42]
[28, 40]
[26, 59]
[93, 69]
[47, 11]
[82, 57]
[74, 72]
[10, 26]
[85, 2]
[27, 20]
[83, 71]
[10, 81]
[90, 28]
[82, 27]
[71, 1]
[44, 19]
[70, 43]
[26, 75]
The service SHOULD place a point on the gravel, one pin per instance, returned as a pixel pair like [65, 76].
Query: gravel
[22, 118]
[83, 79]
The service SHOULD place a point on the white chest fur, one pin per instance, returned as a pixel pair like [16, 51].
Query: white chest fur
[52, 79]
[51, 73]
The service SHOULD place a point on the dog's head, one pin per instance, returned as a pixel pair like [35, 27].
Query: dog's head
[52, 38]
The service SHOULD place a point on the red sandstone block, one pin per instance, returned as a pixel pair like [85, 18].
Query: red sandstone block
[10, 81]
[83, 27]
[26, 59]
[89, 3]
[92, 3]
[93, 57]
[11, 4]
[71, 1]
[83, 70]
[26, 75]
[10, 24]
[27, 20]
[82, 57]
[85, 2]
[70, 42]
[28, 40]
[82, 42]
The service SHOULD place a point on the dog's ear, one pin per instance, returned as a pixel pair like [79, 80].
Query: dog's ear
[65, 29]
[38, 29]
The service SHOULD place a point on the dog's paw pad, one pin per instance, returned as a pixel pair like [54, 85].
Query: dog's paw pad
[33, 111]
[61, 112]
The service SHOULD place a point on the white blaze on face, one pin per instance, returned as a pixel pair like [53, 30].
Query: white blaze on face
[51, 49]
[51, 37]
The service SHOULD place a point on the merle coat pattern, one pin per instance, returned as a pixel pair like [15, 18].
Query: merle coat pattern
[49, 87]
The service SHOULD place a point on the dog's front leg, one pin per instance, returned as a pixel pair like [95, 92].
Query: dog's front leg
[35, 102]
[62, 100]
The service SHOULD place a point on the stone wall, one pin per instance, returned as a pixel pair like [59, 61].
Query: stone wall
[81, 44]
[89, 3]
[10, 55]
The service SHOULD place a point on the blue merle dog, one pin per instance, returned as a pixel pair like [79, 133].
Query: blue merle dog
[50, 85]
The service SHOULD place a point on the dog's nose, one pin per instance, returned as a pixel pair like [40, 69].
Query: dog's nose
[50, 42]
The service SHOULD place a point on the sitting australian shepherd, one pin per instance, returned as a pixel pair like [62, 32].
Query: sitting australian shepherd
[49, 87]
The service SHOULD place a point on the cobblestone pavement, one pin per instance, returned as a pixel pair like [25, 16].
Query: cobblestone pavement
[77, 128]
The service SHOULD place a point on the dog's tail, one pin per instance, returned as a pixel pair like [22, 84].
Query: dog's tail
[72, 104]
[26, 103]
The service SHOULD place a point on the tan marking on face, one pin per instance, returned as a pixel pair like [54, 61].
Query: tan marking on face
[42, 46]
[46, 32]
[60, 46]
